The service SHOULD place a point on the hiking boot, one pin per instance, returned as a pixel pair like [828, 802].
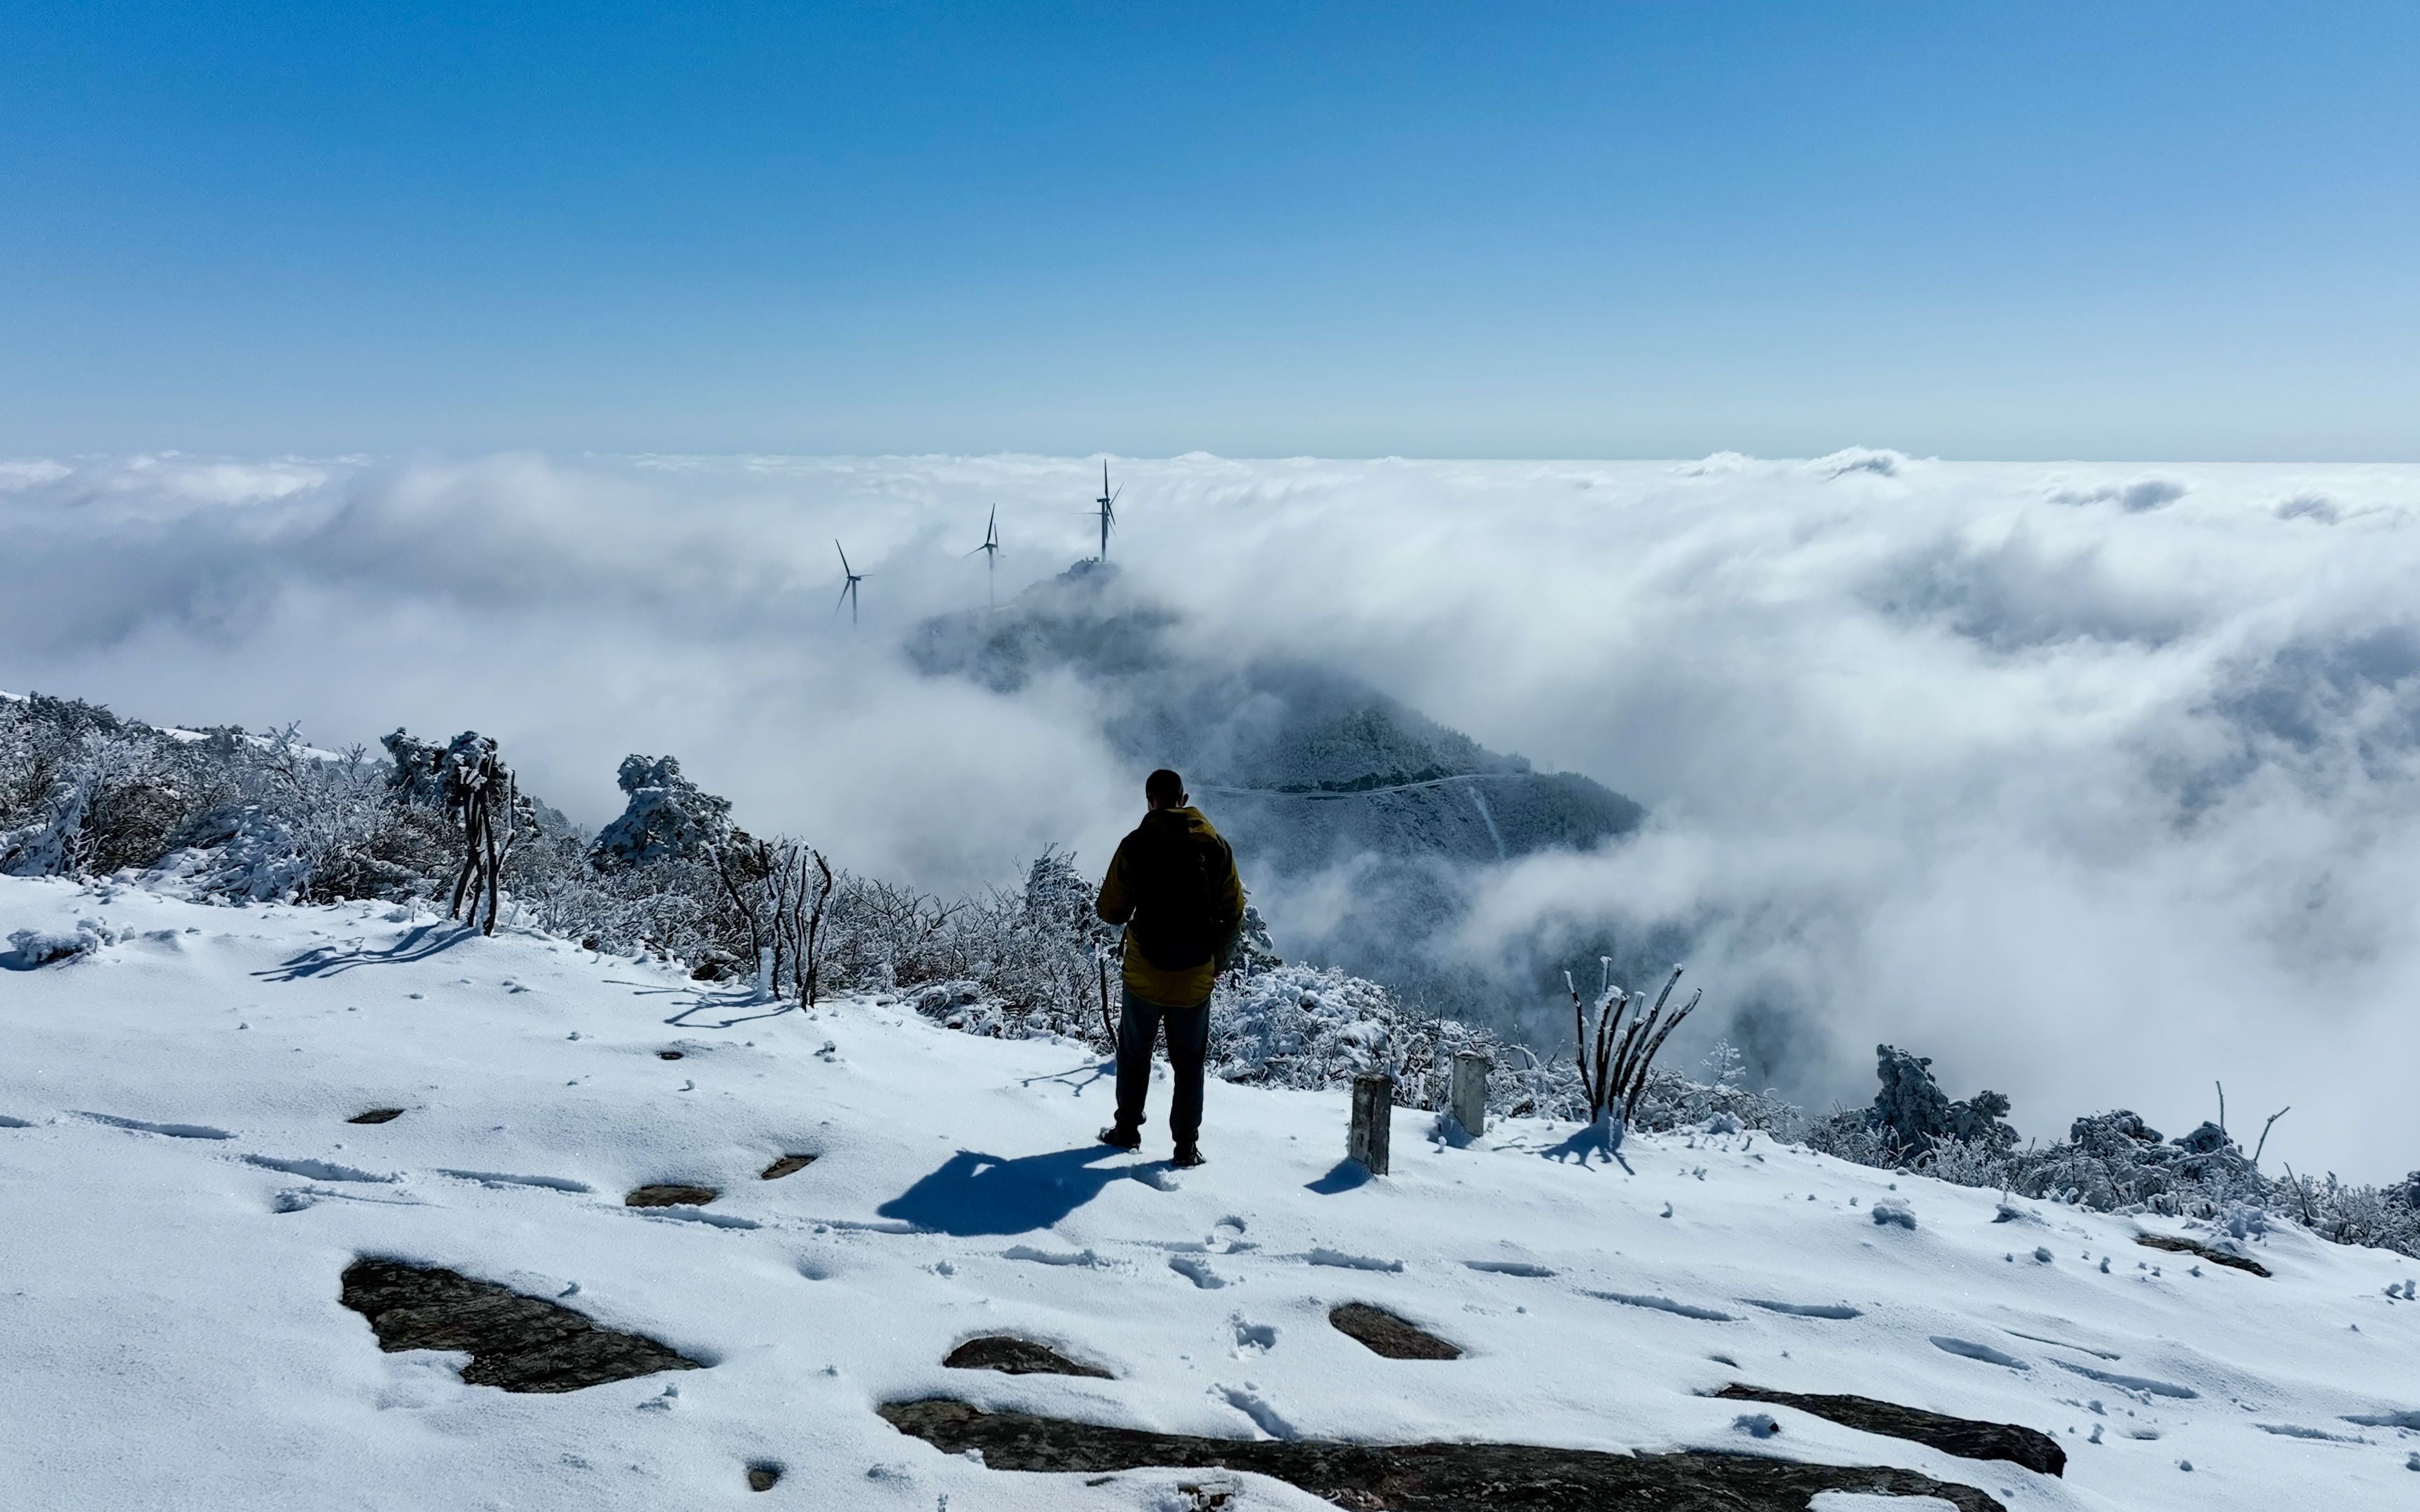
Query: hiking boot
[1188, 1155]
[1118, 1137]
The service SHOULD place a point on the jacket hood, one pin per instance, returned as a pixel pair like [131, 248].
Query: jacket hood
[1185, 821]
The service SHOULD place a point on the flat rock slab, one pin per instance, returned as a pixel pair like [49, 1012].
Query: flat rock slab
[516, 1342]
[1017, 1357]
[1424, 1477]
[1389, 1336]
[786, 1165]
[2175, 1245]
[1963, 1437]
[671, 1194]
[377, 1116]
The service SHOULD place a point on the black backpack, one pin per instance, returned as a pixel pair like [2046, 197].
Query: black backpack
[1176, 878]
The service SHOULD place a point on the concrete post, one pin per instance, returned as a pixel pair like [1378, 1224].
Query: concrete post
[1471, 1071]
[1374, 1110]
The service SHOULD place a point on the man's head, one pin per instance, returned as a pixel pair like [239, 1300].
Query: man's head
[1164, 789]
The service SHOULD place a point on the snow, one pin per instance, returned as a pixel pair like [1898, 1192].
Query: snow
[182, 1193]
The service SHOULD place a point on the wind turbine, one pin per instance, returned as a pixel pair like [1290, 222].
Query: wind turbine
[1108, 502]
[990, 549]
[848, 588]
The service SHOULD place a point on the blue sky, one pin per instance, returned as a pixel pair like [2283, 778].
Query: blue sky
[1648, 230]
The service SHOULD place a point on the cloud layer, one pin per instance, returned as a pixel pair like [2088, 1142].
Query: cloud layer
[2095, 784]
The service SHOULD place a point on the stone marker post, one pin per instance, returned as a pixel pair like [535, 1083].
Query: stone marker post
[1373, 1114]
[1471, 1071]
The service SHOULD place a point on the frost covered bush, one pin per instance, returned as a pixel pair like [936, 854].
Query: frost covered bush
[83, 792]
[236, 816]
[1301, 1026]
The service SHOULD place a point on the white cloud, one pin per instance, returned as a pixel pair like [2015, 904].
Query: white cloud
[2091, 805]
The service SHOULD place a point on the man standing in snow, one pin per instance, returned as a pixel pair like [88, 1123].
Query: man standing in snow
[1173, 885]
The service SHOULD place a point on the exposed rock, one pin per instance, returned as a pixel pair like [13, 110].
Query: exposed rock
[786, 1165]
[1424, 1477]
[672, 1195]
[2120, 1131]
[2176, 1246]
[1017, 1357]
[1916, 1113]
[516, 1342]
[668, 1054]
[1387, 1334]
[763, 1476]
[1962, 1437]
[377, 1116]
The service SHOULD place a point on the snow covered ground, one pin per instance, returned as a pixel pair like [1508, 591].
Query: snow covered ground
[181, 1192]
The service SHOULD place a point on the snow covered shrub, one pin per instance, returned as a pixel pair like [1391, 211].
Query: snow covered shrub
[313, 827]
[38, 947]
[1303, 1027]
[1043, 953]
[83, 792]
[1669, 1099]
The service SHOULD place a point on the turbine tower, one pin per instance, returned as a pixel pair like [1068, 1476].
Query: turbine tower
[848, 586]
[990, 549]
[1108, 502]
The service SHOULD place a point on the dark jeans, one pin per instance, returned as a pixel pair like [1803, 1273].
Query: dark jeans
[1188, 1042]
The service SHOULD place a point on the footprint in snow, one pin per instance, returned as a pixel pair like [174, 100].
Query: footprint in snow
[317, 1170]
[1041, 1256]
[2143, 1383]
[1836, 1311]
[1324, 1256]
[1665, 1305]
[1969, 1350]
[1253, 1338]
[1196, 1270]
[553, 1183]
[1253, 1406]
[174, 1131]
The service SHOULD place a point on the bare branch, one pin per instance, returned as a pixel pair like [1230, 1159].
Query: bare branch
[2264, 1132]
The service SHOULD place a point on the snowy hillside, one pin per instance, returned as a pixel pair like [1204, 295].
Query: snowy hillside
[185, 1193]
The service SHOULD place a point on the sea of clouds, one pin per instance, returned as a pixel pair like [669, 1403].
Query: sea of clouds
[2097, 783]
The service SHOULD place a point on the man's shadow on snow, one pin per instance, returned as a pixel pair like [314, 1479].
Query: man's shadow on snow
[974, 1193]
